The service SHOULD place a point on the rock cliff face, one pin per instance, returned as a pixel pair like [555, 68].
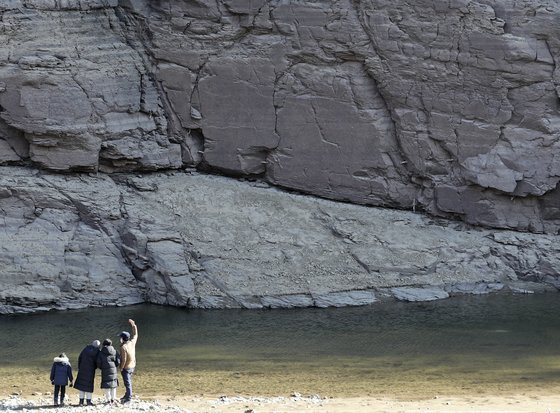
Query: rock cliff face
[212, 242]
[445, 107]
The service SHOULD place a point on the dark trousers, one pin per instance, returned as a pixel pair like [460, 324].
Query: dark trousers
[62, 390]
[127, 380]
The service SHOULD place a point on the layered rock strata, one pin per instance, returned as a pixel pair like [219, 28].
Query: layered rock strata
[211, 242]
[447, 107]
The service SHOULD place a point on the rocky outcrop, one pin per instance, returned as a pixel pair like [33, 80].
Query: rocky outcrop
[75, 95]
[211, 242]
[428, 106]
[447, 107]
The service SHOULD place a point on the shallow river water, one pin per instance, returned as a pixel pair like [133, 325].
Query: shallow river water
[468, 345]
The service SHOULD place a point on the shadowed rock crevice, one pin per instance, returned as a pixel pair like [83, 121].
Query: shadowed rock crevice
[14, 148]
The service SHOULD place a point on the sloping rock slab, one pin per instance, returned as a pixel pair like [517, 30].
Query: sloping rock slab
[345, 298]
[419, 294]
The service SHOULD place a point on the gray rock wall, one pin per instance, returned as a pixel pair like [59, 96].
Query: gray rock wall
[75, 95]
[203, 241]
[451, 107]
[448, 107]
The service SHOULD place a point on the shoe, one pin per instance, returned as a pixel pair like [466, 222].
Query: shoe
[89, 403]
[123, 400]
[81, 402]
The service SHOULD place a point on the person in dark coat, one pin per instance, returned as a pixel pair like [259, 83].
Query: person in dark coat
[61, 373]
[107, 361]
[87, 363]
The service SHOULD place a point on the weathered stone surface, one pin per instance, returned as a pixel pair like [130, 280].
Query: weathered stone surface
[237, 114]
[530, 287]
[474, 288]
[375, 102]
[69, 241]
[465, 113]
[451, 108]
[55, 249]
[427, 293]
[72, 82]
[448, 107]
[287, 301]
[344, 299]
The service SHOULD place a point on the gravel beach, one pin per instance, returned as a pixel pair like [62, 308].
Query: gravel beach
[45, 404]
[523, 403]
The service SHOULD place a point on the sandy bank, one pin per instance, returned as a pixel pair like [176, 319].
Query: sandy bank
[533, 403]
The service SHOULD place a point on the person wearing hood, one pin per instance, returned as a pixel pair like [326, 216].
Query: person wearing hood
[61, 373]
[87, 363]
[107, 361]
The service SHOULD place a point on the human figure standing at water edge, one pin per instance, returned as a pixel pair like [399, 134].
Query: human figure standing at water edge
[61, 373]
[128, 359]
[87, 363]
[107, 361]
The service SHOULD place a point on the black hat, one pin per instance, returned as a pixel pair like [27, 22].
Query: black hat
[107, 342]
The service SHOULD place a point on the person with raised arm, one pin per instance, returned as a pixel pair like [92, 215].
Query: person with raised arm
[128, 359]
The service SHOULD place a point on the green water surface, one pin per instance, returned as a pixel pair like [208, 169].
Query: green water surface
[485, 344]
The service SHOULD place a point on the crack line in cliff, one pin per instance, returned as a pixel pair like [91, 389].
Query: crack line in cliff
[398, 164]
[89, 219]
[320, 128]
[139, 25]
[223, 288]
[554, 69]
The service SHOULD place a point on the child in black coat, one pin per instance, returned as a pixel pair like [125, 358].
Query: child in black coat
[61, 372]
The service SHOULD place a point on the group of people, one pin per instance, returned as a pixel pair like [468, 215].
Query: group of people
[96, 356]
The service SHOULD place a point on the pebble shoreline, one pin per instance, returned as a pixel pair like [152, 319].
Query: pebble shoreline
[16, 403]
[44, 404]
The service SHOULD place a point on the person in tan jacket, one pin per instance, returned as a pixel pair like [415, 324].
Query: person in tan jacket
[128, 359]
